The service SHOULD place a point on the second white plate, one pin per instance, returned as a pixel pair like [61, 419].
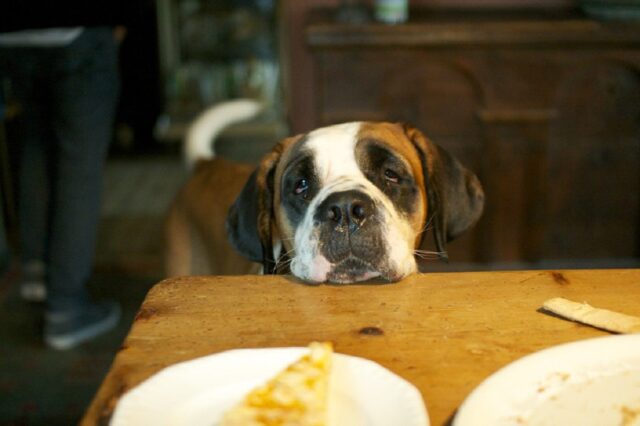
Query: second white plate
[592, 382]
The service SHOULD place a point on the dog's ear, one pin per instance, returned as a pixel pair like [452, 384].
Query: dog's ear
[242, 221]
[454, 194]
[250, 218]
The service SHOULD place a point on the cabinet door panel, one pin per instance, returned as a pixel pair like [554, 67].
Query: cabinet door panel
[594, 165]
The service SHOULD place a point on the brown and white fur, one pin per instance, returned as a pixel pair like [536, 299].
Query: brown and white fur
[343, 203]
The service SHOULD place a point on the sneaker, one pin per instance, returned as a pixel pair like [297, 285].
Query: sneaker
[65, 330]
[32, 283]
[33, 291]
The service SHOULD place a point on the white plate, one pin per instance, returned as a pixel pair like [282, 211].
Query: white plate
[198, 392]
[590, 382]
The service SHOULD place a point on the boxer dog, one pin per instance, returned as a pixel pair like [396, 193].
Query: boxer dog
[343, 203]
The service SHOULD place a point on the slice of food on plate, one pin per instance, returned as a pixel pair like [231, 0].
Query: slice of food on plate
[295, 396]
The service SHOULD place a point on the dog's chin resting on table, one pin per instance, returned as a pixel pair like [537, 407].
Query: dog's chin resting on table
[341, 204]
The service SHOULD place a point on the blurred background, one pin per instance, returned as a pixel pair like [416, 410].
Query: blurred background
[541, 98]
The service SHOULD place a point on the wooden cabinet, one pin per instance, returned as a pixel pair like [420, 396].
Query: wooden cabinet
[546, 109]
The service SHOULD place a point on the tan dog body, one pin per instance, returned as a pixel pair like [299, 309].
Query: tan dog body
[196, 237]
[343, 203]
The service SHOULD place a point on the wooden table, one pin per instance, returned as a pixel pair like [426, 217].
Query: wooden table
[444, 332]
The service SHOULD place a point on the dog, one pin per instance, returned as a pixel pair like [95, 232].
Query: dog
[344, 203]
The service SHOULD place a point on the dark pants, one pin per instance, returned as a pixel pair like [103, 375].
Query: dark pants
[68, 97]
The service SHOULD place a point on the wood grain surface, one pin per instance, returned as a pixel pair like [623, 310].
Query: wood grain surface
[443, 332]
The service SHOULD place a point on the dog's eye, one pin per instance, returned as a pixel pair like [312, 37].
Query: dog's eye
[391, 176]
[301, 187]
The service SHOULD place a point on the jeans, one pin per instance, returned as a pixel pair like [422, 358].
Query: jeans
[68, 97]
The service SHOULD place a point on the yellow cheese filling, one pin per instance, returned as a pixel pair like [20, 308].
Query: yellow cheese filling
[297, 396]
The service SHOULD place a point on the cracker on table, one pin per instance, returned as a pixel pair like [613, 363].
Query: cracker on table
[596, 317]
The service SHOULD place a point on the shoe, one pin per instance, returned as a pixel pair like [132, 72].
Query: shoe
[33, 291]
[65, 330]
[32, 284]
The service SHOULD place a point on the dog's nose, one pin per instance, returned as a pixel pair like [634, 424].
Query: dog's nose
[347, 208]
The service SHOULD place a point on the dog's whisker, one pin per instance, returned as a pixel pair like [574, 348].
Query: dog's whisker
[425, 230]
[285, 262]
[282, 263]
[428, 254]
[428, 226]
[283, 259]
[280, 266]
[286, 253]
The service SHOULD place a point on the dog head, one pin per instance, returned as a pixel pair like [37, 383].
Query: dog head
[350, 202]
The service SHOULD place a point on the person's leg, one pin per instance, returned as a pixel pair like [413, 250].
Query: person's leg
[32, 130]
[85, 95]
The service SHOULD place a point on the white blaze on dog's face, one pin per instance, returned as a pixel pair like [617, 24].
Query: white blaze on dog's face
[351, 203]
